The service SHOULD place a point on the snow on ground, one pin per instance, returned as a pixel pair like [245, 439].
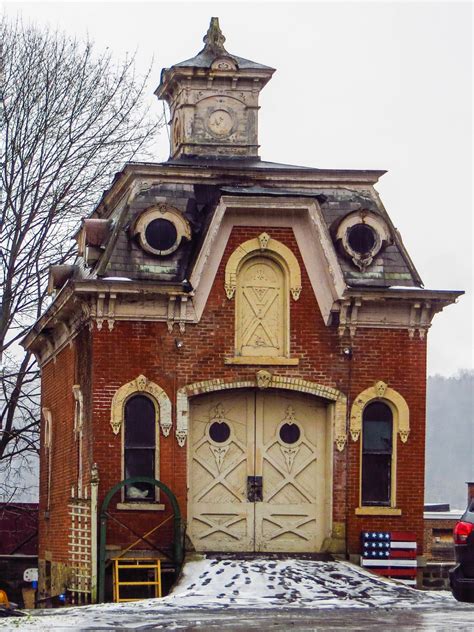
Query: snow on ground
[232, 585]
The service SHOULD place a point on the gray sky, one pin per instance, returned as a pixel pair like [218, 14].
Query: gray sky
[359, 85]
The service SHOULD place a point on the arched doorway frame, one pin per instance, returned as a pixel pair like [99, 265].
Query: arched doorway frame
[264, 380]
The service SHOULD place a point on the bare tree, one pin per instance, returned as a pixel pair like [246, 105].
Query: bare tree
[70, 119]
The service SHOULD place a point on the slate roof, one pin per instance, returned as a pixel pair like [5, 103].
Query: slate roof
[124, 258]
[214, 48]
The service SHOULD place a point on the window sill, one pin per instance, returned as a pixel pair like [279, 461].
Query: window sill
[378, 511]
[263, 360]
[140, 507]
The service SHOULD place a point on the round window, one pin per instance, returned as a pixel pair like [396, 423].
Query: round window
[161, 234]
[361, 238]
[219, 431]
[290, 433]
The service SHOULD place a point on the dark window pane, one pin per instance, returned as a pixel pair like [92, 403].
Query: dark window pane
[140, 422]
[377, 437]
[139, 462]
[377, 411]
[361, 238]
[376, 475]
[377, 428]
[219, 431]
[161, 234]
[290, 433]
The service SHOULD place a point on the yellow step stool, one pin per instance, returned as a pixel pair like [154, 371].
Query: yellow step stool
[136, 566]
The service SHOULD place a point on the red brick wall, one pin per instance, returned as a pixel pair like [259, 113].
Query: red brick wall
[57, 378]
[133, 348]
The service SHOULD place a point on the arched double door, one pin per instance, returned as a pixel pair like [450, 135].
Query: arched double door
[259, 472]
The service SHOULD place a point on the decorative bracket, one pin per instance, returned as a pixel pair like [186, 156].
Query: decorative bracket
[141, 384]
[380, 390]
[78, 409]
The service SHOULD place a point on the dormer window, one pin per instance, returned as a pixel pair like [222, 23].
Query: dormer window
[161, 235]
[160, 229]
[361, 236]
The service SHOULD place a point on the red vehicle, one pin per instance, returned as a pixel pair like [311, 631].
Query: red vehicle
[461, 577]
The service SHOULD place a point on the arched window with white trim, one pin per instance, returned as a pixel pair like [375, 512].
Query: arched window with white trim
[140, 446]
[377, 455]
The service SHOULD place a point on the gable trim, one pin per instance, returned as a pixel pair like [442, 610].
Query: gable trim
[302, 215]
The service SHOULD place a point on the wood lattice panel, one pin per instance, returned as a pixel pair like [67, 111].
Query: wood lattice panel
[80, 547]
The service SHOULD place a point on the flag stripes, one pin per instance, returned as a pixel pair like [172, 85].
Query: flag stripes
[390, 554]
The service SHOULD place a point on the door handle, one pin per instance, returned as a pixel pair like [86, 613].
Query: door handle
[254, 489]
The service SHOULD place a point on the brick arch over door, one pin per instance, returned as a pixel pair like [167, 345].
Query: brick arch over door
[263, 380]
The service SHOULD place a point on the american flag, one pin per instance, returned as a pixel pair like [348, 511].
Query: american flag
[390, 554]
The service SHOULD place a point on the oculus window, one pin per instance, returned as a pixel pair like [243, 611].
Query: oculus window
[160, 230]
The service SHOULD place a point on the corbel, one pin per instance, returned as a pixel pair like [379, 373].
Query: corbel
[353, 317]
[100, 310]
[61, 324]
[46, 342]
[343, 317]
[425, 319]
[111, 311]
[171, 309]
[182, 313]
[414, 318]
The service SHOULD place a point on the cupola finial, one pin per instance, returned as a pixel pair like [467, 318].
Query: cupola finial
[214, 38]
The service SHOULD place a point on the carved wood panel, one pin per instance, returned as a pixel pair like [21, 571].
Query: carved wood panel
[291, 458]
[261, 319]
[278, 436]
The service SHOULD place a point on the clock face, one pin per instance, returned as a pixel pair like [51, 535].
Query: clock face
[220, 123]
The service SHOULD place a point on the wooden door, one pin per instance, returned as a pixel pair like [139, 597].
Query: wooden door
[275, 439]
[290, 457]
[222, 433]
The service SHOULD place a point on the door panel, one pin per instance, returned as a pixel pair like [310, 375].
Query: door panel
[220, 516]
[290, 455]
[257, 478]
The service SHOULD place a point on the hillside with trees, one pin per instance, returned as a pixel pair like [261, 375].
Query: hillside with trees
[449, 438]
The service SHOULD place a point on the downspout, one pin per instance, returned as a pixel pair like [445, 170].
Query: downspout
[347, 352]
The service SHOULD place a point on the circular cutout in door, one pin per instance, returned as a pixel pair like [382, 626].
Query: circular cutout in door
[219, 431]
[290, 433]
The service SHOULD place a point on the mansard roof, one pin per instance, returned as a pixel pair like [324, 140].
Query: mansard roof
[337, 193]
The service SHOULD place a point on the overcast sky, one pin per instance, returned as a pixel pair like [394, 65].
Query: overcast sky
[359, 85]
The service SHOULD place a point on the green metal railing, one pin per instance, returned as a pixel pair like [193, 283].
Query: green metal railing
[177, 531]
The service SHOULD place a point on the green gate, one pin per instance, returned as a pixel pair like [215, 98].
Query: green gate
[177, 532]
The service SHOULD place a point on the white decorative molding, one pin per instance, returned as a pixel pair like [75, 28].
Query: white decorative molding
[78, 409]
[219, 453]
[381, 391]
[273, 248]
[277, 381]
[264, 378]
[141, 384]
[48, 428]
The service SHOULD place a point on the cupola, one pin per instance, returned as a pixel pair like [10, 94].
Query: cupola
[213, 100]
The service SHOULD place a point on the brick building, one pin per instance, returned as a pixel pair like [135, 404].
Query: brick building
[250, 334]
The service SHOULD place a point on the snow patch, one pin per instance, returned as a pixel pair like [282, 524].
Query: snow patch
[214, 584]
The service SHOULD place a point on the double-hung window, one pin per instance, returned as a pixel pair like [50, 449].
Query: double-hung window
[140, 458]
[377, 453]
